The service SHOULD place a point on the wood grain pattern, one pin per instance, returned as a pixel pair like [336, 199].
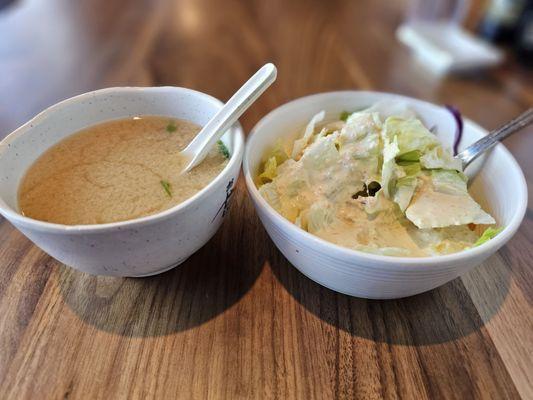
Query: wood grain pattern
[237, 320]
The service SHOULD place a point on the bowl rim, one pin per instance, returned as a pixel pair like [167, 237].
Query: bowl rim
[43, 226]
[385, 261]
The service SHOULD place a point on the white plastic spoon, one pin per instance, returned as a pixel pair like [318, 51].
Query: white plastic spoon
[228, 115]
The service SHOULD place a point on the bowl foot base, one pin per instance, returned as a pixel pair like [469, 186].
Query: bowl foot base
[159, 271]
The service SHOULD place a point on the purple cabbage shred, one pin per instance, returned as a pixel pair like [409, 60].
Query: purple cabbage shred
[458, 127]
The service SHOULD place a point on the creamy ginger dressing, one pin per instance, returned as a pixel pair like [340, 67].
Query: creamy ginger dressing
[116, 171]
[316, 188]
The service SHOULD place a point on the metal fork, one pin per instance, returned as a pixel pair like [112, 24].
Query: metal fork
[474, 150]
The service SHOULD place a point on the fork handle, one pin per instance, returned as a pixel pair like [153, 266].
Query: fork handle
[474, 150]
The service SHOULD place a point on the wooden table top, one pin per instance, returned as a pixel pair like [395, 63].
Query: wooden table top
[237, 320]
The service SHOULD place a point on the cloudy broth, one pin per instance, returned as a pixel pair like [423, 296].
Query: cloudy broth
[115, 171]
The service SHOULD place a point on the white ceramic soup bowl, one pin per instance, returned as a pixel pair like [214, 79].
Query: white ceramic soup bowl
[499, 186]
[139, 247]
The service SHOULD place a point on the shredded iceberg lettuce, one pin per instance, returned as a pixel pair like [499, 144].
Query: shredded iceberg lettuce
[439, 158]
[320, 154]
[300, 144]
[443, 200]
[279, 152]
[404, 191]
[411, 135]
[487, 235]
[449, 181]
[270, 194]
[270, 170]
[389, 169]
[319, 217]
[410, 156]
[419, 204]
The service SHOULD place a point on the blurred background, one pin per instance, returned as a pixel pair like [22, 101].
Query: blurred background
[54, 49]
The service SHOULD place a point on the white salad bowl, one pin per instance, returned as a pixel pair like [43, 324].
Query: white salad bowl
[499, 186]
[139, 247]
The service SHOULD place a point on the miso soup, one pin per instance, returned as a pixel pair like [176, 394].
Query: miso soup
[115, 171]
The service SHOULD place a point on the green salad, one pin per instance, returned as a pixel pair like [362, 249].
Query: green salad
[383, 185]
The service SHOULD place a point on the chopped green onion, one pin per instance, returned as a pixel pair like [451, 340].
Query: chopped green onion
[166, 187]
[344, 116]
[171, 127]
[223, 149]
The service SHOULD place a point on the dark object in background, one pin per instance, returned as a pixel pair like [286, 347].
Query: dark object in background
[6, 3]
[524, 36]
[501, 20]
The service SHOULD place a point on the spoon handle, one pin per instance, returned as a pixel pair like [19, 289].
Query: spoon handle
[474, 150]
[229, 114]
